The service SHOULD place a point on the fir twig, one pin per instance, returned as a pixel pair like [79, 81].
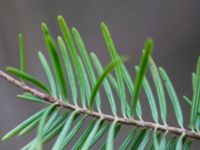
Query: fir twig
[61, 103]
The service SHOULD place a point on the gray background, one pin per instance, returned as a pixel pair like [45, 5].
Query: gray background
[174, 24]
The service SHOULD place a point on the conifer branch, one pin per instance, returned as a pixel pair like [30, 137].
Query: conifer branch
[138, 123]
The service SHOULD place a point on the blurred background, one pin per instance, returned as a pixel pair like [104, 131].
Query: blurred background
[174, 25]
